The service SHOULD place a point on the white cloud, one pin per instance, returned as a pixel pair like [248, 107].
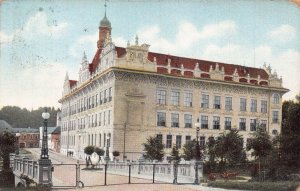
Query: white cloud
[4, 38]
[220, 29]
[187, 36]
[86, 43]
[35, 27]
[34, 87]
[284, 33]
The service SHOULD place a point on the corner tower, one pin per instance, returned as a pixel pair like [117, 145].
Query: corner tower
[104, 30]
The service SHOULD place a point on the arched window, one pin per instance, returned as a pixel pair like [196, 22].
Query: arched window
[275, 98]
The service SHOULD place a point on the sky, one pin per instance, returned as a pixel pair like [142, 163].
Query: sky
[42, 40]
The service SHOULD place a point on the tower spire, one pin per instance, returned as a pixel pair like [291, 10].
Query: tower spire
[105, 5]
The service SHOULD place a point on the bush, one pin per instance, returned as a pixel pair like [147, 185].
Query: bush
[263, 186]
[7, 179]
[89, 150]
[116, 153]
[100, 152]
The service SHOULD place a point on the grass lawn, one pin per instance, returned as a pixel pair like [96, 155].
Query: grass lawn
[262, 186]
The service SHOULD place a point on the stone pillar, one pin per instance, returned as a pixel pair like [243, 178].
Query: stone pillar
[45, 172]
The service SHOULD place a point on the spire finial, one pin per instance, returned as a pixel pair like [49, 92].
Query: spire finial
[105, 5]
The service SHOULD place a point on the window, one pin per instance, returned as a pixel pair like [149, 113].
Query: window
[161, 119]
[275, 116]
[205, 101]
[108, 117]
[187, 120]
[159, 137]
[263, 125]
[104, 118]
[253, 105]
[216, 122]
[228, 103]
[161, 97]
[252, 124]
[174, 97]
[100, 119]
[99, 140]
[202, 141]
[110, 94]
[217, 102]
[243, 104]
[275, 99]
[174, 120]
[264, 106]
[204, 122]
[104, 140]
[178, 141]
[169, 141]
[227, 123]
[188, 138]
[105, 96]
[242, 124]
[101, 98]
[188, 97]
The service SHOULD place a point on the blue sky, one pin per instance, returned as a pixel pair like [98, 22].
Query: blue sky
[42, 40]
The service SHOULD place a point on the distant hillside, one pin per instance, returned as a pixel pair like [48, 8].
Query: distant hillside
[23, 118]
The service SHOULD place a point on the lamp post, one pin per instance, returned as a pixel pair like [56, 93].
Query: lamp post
[107, 148]
[45, 165]
[18, 145]
[197, 152]
[44, 151]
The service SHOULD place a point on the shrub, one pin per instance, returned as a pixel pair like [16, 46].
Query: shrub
[116, 153]
[99, 151]
[89, 150]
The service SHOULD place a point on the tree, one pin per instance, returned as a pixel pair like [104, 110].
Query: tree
[190, 150]
[261, 146]
[175, 154]
[99, 152]
[154, 149]
[7, 145]
[229, 148]
[88, 150]
[116, 154]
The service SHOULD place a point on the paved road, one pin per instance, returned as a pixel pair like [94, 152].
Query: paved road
[64, 176]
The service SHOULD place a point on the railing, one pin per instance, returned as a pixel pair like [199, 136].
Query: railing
[26, 167]
[185, 172]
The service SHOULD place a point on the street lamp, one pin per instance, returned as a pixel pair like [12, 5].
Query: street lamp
[17, 135]
[45, 165]
[44, 151]
[197, 152]
[107, 148]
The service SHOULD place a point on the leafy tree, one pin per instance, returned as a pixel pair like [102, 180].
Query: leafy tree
[154, 149]
[190, 150]
[260, 144]
[7, 145]
[116, 154]
[23, 118]
[100, 152]
[229, 148]
[175, 154]
[289, 140]
[88, 150]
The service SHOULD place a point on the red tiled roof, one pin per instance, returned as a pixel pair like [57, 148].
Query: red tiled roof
[190, 63]
[93, 66]
[72, 83]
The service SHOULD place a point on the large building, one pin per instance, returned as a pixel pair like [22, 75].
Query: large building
[127, 94]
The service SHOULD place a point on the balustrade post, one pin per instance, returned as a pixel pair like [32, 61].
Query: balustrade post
[153, 176]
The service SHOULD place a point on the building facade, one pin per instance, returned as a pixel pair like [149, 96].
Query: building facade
[127, 94]
[29, 137]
